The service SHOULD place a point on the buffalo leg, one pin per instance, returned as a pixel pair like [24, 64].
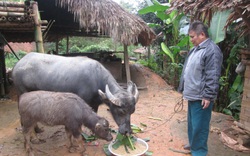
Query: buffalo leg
[72, 148]
[27, 136]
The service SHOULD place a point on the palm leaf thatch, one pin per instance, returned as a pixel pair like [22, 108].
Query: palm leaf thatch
[108, 18]
[204, 9]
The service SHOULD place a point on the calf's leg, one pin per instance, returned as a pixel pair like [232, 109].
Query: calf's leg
[27, 146]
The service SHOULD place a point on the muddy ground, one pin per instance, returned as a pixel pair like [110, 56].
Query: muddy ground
[166, 128]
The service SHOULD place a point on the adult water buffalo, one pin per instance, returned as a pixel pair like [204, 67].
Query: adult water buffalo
[80, 75]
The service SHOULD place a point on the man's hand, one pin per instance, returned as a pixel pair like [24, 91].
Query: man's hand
[205, 103]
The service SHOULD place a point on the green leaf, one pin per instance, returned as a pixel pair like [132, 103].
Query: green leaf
[167, 51]
[136, 129]
[127, 141]
[151, 25]
[156, 2]
[149, 153]
[184, 41]
[236, 83]
[106, 150]
[227, 111]
[217, 25]
[144, 125]
[153, 9]
[162, 15]
[89, 138]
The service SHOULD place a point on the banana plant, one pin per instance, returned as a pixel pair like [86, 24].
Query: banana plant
[171, 24]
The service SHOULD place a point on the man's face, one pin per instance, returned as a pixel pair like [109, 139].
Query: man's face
[195, 38]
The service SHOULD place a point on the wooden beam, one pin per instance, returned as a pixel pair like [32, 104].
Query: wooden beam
[126, 62]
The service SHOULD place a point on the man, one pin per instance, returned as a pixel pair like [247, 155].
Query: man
[199, 85]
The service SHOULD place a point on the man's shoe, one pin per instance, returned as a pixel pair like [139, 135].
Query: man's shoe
[186, 147]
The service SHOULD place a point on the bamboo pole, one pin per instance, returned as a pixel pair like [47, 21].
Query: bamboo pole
[38, 31]
[6, 42]
[12, 9]
[16, 25]
[2, 13]
[12, 4]
[126, 62]
[44, 22]
[49, 26]
[19, 29]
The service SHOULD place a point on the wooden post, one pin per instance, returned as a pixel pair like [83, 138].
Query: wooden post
[57, 45]
[3, 83]
[67, 47]
[149, 54]
[126, 62]
[38, 29]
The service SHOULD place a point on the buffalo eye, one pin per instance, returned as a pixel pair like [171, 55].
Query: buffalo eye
[121, 111]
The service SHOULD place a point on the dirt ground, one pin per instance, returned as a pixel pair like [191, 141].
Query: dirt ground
[166, 128]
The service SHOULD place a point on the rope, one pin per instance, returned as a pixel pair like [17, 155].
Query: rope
[177, 108]
[179, 105]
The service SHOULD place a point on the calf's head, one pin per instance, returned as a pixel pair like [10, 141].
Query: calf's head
[122, 105]
[102, 130]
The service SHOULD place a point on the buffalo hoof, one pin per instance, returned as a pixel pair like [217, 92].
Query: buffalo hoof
[31, 154]
[38, 129]
[72, 149]
[75, 149]
[37, 141]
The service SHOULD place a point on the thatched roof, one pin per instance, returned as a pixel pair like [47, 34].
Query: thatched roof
[109, 18]
[203, 10]
[87, 18]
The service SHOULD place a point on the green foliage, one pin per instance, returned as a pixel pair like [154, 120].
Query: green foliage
[234, 95]
[74, 49]
[230, 82]
[95, 48]
[126, 141]
[172, 42]
[150, 63]
[11, 60]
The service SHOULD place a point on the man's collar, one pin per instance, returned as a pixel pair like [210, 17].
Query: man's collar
[203, 44]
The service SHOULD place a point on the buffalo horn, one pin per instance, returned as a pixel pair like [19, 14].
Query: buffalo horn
[102, 94]
[136, 93]
[111, 97]
[132, 88]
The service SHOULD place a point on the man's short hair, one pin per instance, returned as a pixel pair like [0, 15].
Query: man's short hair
[198, 27]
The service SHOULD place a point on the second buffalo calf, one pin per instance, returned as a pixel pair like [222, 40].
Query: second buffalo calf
[57, 108]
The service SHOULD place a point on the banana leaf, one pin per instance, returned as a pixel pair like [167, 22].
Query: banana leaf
[217, 25]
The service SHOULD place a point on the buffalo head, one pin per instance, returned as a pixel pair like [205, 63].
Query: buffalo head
[122, 104]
